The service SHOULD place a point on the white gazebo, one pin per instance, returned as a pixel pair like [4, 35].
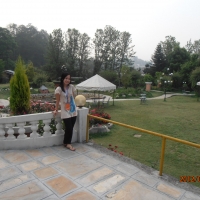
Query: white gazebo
[96, 83]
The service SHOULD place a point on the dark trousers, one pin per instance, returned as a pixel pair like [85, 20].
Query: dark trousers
[69, 125]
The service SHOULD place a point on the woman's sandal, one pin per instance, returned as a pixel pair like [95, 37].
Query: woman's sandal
[70, 147]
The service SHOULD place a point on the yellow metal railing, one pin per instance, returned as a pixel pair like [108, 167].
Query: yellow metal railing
[164, 137]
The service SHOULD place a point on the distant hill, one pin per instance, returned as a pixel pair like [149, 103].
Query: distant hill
[139, 63]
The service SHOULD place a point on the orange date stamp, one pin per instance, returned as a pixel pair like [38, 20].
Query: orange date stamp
[190, 179]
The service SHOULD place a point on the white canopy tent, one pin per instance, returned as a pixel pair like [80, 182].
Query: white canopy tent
[96, 83]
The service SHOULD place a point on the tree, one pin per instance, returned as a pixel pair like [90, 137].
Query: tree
[176, 58]
[98, 50]
[125, 76]
[113, 49]
[159, 60]
[126, 52]
[111, 42]
[72, 38]
[196, 47]
[148, 78]
[30, 72]
[83, 53]
[110, 76]
[55, 54]
[194, 78]
[1, 70]
[189, 47]
[40, 79]
[188, 67]
[7, 47]
[177, 80]
[169, 45]
[135, 78]
[19, 90]
[32, 44]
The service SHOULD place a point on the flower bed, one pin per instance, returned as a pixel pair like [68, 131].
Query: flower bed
[98, 112]
[99, 126]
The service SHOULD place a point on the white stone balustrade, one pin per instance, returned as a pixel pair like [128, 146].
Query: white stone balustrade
[16, 124]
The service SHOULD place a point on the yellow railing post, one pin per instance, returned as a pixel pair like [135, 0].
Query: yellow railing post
[162, 155]
[87, 129]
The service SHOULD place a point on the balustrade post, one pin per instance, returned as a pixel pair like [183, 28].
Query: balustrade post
[10, 132]
[21, 130]
[47, 128]
[2, 132]
[59, 129]
[34, 128]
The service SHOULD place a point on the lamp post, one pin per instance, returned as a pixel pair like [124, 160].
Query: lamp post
[165, 82]
[198, 84]
[165, 85]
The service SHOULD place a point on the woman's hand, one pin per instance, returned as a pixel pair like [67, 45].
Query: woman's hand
[55, 112]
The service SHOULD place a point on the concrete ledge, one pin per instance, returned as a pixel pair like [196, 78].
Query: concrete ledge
[7, 128]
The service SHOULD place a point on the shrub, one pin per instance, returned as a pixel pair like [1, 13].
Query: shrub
[98, 113]
[39, 79]
[39, 107]
[19, 90]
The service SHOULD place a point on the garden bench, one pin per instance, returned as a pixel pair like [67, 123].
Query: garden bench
[143, 99]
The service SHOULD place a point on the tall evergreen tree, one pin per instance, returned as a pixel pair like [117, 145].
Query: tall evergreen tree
[19, 90]
[159, 60]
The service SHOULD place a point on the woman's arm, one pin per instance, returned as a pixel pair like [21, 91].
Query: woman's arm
[73, 92]
[57, 103]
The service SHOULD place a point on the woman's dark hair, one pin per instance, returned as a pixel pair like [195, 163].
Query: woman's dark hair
[62, 79]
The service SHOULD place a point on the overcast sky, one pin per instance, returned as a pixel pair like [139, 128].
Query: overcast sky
[148, 21]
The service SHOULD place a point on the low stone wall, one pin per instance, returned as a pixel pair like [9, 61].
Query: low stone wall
[8, 129]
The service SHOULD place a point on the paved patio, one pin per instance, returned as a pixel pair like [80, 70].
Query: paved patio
[87, 174]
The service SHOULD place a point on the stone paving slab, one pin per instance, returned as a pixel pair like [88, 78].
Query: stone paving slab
[78, 166]
[3, 163]
[190, 196]
[127, 169]
[45, 172]
[9, 173]
[50, 159]
[53, 173]
[145, 178]
[13, 182]
[66, 154]
[16, 157]
[108, 160]
[61, 185]
[95, 176]
[135, 190]
[32, 190]
[170, 190]
[52, 197]
[35, 153]
[94, 155]
[29, 166]
[81, 195]
[107, 184]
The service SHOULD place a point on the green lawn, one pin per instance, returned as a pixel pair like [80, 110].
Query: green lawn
[177, 117]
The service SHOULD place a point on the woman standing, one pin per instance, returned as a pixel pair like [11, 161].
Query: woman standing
[65, 94]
